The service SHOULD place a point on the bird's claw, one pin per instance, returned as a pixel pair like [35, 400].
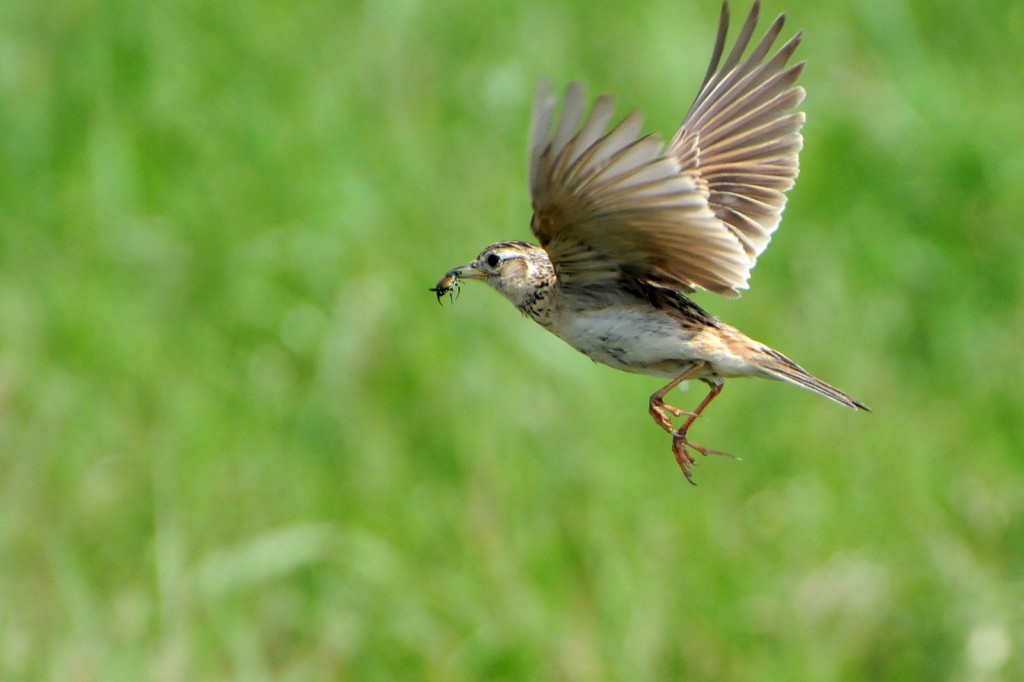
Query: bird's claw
[683, 457]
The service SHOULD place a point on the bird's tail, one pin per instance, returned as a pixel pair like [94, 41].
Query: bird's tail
[778, 366]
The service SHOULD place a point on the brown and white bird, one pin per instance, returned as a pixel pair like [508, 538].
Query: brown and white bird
[627, 227]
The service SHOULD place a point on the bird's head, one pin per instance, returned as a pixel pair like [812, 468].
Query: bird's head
[513, 269]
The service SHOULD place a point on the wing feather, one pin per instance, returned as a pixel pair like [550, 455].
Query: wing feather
[612, 203]
[741, 138]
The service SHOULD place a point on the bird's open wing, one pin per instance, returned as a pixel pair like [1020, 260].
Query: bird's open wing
[613, 203]
[740, 139]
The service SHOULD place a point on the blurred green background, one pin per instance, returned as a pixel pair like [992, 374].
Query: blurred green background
[240, 440]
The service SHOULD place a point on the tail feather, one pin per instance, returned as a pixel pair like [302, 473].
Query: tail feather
[778, 366]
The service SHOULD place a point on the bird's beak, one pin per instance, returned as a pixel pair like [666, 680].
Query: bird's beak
[467, 271]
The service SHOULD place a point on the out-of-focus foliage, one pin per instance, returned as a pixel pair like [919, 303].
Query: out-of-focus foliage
[240, 440]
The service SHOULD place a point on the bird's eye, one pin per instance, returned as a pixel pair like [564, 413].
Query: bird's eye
[492, 260]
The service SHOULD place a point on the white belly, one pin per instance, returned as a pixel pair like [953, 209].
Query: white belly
[649, 342]
[630, 340]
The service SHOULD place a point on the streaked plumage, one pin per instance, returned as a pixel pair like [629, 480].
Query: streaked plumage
[627, 226]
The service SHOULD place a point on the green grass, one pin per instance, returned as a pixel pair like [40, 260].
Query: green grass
[240, 440]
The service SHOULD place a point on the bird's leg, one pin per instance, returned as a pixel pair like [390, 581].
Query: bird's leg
[657, 402]
[712, 394]
[680, 443]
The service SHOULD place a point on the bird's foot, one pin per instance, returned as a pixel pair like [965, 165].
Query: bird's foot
[684, 459]
[658, 408]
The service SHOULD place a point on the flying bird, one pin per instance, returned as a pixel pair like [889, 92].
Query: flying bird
[628, 227]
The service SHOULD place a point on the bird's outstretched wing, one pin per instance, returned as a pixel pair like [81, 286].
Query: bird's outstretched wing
[613, 203]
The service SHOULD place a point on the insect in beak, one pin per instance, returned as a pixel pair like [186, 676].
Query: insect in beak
[449, 284]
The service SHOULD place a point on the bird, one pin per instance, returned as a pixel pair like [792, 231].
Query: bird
[629, 228]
